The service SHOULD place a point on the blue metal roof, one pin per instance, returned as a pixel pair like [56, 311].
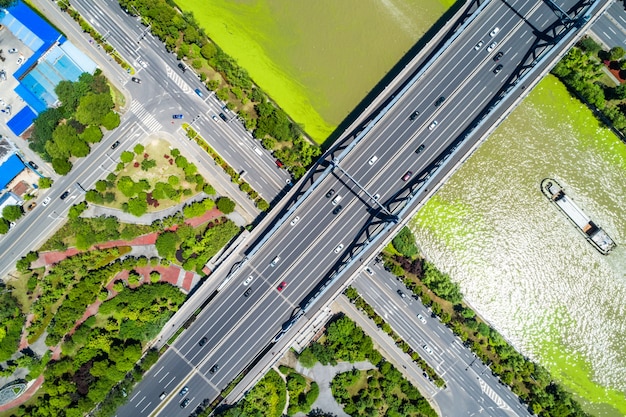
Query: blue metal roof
[10, 169]
[30, 28]
[21, 121]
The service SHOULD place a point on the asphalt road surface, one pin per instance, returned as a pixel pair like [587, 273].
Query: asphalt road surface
[470, 385]
[610, 28]
[307, 247]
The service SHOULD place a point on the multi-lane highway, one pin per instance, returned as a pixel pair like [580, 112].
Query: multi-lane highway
[470, 385]
[611, 26]
[319, 234]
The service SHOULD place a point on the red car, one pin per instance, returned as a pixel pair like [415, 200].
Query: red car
[279, 164]
[281, 286]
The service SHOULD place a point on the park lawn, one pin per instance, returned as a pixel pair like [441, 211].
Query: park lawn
[359, 385]
[19, 287]
[156, 150]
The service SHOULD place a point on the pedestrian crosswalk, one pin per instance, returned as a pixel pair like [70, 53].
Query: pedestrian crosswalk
[492, 394]
[178, 80]
[151, 124]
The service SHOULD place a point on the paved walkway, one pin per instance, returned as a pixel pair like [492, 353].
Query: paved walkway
[323, 375]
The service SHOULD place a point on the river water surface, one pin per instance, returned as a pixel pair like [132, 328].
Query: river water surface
[520, 262]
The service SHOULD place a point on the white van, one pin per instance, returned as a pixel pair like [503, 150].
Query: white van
[275, 261]
[336, 200]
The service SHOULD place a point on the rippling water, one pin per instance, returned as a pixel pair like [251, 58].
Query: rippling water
[519, 261]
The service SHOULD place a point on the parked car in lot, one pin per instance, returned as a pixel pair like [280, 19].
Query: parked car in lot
[12, 51]
[177, 116]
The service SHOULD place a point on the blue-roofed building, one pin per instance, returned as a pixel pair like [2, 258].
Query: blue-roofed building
[9, 170]
[54, 59]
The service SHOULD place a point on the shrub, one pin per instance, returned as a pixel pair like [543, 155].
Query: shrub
[44, 182]
[225, 205]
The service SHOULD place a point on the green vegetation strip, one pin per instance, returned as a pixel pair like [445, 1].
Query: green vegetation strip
[360, 303]
[527, 379]
[234, 175]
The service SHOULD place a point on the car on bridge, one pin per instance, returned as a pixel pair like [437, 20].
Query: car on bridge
[439, 101]
[498, 56]
[184, 391]
[494, 32]
[339, 248]
[497, 69]
[414, 115]
[281, 286]
[407, 176]
[202, 341]
[433, 125]
[337, 209]
[479, 45]
[492, 46]
[330, 193]
[420, 148]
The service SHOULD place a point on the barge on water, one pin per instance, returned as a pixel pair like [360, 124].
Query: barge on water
[593, 233]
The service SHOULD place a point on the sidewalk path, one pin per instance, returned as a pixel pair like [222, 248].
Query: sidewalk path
[323, 375]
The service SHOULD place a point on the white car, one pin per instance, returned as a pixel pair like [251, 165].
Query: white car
[369, 270]
[376, 197]
[373, 159]
[294, 221]
[478, 46]
[428, 349]
[494, 32]
[492, 46]
[433, 125]
[421, 318]
[339, 248]
[45, 201]
[20, 60]
[248, 280]
[12, 51]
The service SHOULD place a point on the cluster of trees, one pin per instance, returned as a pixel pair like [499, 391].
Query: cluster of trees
[404, 243]
[352, 294]
[266, 399]
[345, 341]
[181, 33]
[386, 393]
[194, 250]
[11, 322]
[65, 132]
[85, 232]
[300, 397]
[529, 380]
[580, 70]
[105, 347]
[68, 288]
[139, 194]
[9, 214]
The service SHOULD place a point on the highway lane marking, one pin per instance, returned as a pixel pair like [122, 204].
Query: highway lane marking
[169, 383]
[611, 29]
[606, 34]
[622, 19]
[140, 401]
[164, 376]
[134, 396]
[147, 405]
